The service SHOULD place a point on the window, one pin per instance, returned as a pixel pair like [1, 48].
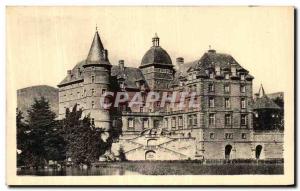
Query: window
[92, 121]
[173, 122]
[194, 76]
[243, 103]
[218, 70]
[166, 122]
[190, 120]
[243, 88]
[93, 92]
[227, 103]
[242, 76]
[103, 91]
[211, 135]
[227, 119]
[93, 104]
[180, 122]
[211, 75]
[211, 102]
[243, 119]
[78, 95]
[244, 136]
[195, 119]
[226, 88]
[158, 103]
[211, 87]
[93, 79]
[233, 71]
[84, 92]
[141, 109]
[130, 123]
[226, 76]
[145, 123]
[228, 135]
[195, 88]
[211, 119]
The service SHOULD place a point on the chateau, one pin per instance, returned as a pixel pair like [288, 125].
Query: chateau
[220, 128]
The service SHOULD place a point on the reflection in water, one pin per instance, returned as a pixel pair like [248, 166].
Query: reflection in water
[101, 171]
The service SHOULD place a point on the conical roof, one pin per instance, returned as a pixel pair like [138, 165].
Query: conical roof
[97, 53]
[263, 101]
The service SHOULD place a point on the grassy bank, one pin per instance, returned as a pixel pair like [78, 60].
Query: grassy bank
[194, 168]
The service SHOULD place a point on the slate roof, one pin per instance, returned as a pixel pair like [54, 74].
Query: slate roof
[210, 59]
[96, 52]
[74, 78]
[132, 75]
[263, 101]
[156, 55]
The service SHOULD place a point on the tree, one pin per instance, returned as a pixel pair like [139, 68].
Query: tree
[280, 102]
[43, 142]
[84, 143]
[21, 137]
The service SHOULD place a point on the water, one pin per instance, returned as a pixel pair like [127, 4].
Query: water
[101, 171]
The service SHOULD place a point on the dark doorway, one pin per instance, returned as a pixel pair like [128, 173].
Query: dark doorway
[258, 151]
[228, 149]
[150, 155]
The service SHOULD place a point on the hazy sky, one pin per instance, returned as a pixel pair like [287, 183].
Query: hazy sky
[44, 42]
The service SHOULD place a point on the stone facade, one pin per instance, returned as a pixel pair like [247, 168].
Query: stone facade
[220, 128]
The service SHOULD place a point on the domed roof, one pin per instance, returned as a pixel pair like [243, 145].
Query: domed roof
[156, 55]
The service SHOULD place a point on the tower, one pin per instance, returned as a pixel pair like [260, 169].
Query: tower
[157, 66]
[96, 82]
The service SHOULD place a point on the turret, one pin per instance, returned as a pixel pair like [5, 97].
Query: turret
[96, 82]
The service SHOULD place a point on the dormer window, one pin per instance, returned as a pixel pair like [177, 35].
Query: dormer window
[233, 71]
[226, 76]
[211, 75]
[218, 70]
[242, 76]
[93, 79]
[194, 76]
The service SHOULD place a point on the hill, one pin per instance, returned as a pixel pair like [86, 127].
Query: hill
[25, 97]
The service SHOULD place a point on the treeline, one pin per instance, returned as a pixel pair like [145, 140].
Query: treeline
[42, 138]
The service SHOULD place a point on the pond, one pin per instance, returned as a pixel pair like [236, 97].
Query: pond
[160, 168]
[101, 171]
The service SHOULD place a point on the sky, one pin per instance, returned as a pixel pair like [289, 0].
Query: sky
[42, 43]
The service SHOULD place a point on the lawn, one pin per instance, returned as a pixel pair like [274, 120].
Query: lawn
[196, 168]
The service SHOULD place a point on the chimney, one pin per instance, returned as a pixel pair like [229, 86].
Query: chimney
[121, 65]
[179, 61]
[78, 72]
[69, 74]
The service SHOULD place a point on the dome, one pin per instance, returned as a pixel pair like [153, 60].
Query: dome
[156, 55]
